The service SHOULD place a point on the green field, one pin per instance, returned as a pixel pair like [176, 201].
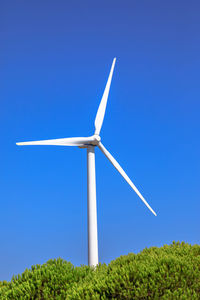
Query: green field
[169, 272]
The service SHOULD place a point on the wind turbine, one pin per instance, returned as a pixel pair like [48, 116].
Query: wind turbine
[90, 143]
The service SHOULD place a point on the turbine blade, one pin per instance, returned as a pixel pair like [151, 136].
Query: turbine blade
[102, 107]
[121, 171]
[77, 141]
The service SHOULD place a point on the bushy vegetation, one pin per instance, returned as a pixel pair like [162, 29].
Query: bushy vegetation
[170, 272]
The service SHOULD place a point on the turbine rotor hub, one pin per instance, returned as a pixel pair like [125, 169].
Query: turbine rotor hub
[96, 140]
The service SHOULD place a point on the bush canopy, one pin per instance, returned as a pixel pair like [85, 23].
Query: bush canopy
[169, 272]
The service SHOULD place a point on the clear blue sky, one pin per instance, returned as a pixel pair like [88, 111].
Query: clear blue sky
[55, 57]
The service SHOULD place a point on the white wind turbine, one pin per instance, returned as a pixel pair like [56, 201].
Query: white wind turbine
[90, 143]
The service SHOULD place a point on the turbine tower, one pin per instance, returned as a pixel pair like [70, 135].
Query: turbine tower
[90, 143]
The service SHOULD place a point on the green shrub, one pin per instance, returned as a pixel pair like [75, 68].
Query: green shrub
[170, 272]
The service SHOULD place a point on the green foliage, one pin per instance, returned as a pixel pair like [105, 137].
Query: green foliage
[170, 272]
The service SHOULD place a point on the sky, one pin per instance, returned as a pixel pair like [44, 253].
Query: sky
[55, 57]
